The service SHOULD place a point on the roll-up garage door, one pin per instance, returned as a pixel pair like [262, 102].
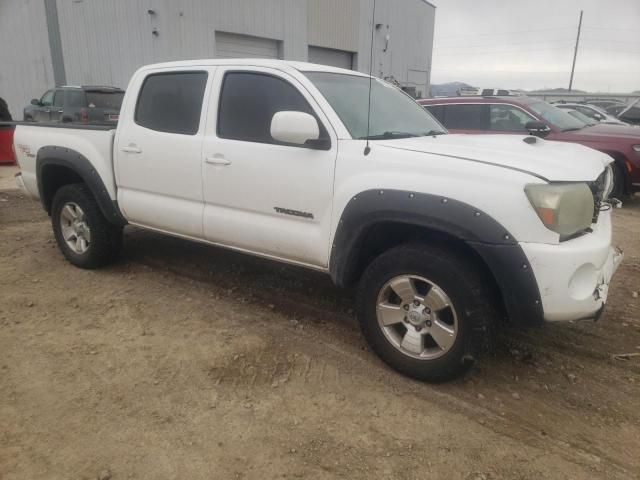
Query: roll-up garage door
[233, 45]
[329, 56]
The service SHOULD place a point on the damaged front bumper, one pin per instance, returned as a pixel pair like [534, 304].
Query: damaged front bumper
[574, 276]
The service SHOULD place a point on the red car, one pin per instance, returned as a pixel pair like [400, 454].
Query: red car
[525, 115]
[6, 140]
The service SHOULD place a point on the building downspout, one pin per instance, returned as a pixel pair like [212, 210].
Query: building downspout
[55, 43]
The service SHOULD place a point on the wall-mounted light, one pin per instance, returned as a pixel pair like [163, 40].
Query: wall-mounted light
[155, 32]
[151, 12]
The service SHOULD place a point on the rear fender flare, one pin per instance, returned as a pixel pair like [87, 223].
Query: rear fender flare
[78, 163]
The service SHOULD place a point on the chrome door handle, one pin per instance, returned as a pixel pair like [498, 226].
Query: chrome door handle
[217, 159]
[131, 149]
[60, 111]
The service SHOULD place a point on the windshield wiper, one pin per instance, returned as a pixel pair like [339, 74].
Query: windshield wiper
[572, 129]
[432, 133]
[392, 135]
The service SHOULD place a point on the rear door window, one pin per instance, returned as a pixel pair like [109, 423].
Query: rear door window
[437, 111]
[470, 116]
[75, 99]
[58, 99]
[171, 102]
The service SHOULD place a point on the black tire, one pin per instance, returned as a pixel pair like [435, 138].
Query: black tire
[106, 238]
[619, 180]
[459, 278]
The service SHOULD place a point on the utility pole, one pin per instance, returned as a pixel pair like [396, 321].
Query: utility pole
[575, 52]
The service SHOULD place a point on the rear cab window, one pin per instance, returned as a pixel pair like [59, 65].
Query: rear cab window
[171, 102]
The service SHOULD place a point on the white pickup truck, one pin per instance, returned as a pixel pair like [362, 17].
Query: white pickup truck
[444, 235]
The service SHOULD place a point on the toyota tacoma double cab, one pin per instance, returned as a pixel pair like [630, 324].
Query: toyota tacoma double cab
[443, 235]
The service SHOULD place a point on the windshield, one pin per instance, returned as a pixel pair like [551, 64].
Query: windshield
[393, 114]
[556, 116]
[110, 100]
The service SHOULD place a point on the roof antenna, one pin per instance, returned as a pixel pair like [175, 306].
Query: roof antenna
[367, 148]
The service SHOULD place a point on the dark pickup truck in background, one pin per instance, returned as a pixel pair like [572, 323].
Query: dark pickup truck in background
[86, 104]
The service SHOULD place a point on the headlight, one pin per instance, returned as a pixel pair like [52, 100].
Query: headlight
[563, 208]
[636, 148]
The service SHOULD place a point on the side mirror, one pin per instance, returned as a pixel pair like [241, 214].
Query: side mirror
[294, 127]
[599, 117]
[35, 102]
[537, 129]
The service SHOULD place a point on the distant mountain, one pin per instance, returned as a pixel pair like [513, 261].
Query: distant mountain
[448, 89]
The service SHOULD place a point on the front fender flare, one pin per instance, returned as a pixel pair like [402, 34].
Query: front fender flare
[496, 246]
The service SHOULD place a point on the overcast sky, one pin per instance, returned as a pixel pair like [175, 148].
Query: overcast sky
[529, 44]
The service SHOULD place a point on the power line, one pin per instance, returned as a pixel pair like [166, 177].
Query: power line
[527, 42]
[614, 29]
[491, 52]
[505, 33]
[527, 50]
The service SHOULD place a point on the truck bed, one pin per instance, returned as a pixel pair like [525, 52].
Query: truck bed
[94, 142]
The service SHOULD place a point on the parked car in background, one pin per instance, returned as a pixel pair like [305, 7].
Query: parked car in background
[631, 113]
[6, 134]
[582, 117]
[87, 104]
[522, 115]
[605, 103]
[279, 159]
[591, 111]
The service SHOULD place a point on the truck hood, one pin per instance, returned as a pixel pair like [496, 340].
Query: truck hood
[626, 135]
[551, 161]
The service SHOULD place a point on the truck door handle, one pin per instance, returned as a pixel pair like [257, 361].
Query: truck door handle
[131, 149]
[217, 159]
[60, 111]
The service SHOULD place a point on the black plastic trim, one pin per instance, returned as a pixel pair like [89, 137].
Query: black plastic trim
[76, 126]
[64, 157]
[489, 239]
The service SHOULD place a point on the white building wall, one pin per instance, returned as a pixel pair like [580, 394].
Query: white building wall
[25, 57]
[105, 42]
[334, 24]
[410, 26]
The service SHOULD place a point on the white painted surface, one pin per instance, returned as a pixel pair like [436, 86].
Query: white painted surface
[240, 198]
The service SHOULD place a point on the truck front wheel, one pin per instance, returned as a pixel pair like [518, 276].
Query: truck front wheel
[425, 310]
[83, 234]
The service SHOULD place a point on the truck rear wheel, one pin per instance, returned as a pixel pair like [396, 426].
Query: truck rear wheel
[83, 234]
[425, 311]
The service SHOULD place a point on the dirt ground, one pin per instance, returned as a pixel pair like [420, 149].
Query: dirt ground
[184, 361]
